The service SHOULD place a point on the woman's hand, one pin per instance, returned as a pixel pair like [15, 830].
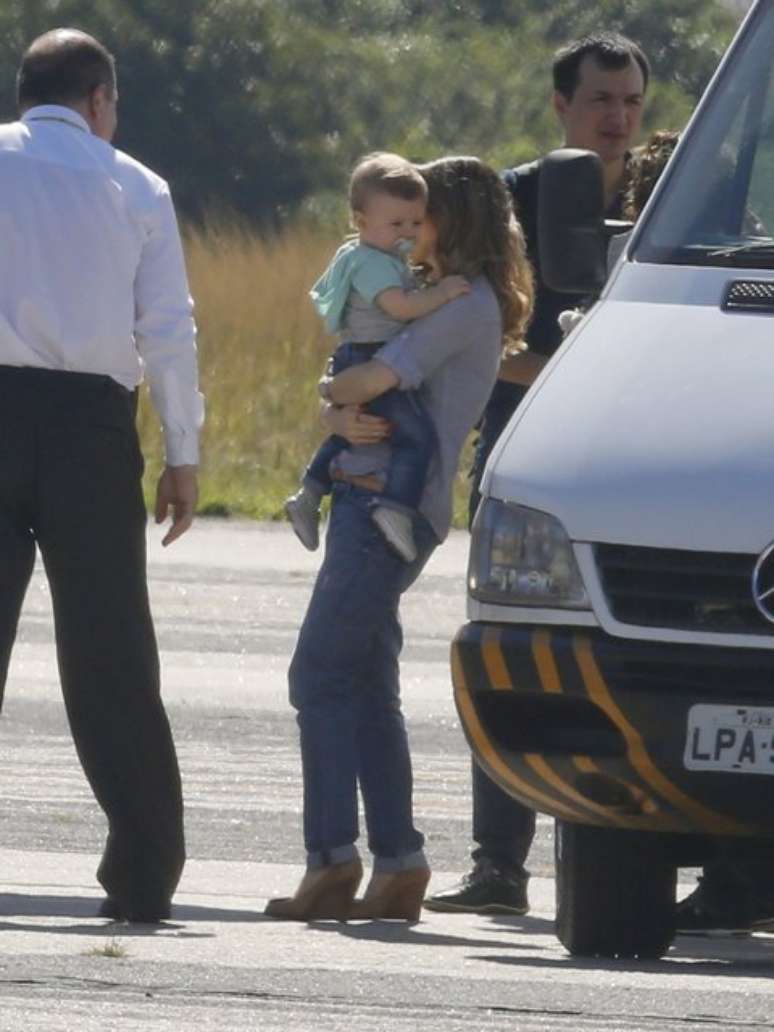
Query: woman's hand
[357, 426]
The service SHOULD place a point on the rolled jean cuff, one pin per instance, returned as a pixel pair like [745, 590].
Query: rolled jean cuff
[407, 862]
[337, 855]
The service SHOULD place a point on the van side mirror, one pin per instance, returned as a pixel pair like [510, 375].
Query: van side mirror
[571, 222]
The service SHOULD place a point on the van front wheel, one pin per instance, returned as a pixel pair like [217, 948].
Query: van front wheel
[615, 892]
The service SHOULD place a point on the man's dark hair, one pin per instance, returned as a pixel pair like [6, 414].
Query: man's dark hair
[62, 67]
[610, 50]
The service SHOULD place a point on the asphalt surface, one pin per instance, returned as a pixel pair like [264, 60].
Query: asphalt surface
[227, 601]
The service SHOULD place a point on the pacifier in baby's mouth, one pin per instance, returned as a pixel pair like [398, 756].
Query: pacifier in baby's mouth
[404, 246]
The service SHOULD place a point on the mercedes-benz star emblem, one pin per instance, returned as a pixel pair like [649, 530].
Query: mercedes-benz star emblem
[763, 583]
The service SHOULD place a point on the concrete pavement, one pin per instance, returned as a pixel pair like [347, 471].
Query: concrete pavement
[227, 600]
[219, 964]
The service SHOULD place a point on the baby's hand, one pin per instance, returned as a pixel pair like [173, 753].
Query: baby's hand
[453, 286]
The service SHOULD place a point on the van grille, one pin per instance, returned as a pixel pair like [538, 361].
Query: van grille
[750, 295]
[678, 671]
[663, 587]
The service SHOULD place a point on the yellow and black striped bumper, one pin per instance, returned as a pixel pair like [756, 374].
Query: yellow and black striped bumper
[591, 728]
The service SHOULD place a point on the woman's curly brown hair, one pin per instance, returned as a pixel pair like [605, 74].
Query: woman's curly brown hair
[478, 234]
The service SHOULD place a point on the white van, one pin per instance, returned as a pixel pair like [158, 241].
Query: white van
[617, 669]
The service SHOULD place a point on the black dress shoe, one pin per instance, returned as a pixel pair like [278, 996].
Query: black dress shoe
[486, 890]
[115, 911]
[109, 908]
[714, 908]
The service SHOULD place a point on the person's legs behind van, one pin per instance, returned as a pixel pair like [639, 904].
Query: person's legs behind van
[735, 894]
[503, 830]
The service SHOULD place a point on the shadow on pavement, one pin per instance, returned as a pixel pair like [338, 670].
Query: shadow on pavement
[414, 934]
[526, 925]
[18, 904]
[736, 957]
[110, 930]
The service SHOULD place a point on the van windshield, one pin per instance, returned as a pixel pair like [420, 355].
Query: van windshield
[717, 207]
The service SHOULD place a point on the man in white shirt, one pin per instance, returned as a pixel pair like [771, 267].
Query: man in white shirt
[93, 291]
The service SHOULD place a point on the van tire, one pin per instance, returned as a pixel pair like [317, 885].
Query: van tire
[615, 892]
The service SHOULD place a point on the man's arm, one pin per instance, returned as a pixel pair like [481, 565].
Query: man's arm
[165, 336]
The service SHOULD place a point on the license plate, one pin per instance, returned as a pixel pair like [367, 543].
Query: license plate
[736, 739]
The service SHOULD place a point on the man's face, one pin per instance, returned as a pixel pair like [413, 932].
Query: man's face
[605, 112]
[387, 220]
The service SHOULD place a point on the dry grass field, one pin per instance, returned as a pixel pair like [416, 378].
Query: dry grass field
[261, 351]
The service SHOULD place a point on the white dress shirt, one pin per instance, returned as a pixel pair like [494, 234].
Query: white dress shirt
[92, 276]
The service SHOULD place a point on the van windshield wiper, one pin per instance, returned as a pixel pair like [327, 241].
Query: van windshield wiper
[757, 248]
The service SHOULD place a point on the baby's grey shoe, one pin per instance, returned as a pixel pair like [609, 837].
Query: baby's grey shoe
[398, 531]
[303, 511]
[569, 319]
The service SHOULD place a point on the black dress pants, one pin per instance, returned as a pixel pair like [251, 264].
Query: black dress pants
[70, 469]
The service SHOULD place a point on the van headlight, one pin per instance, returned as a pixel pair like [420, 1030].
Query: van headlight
[522, 557]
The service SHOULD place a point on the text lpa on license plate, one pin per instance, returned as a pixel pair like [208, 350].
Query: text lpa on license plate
[738, 739]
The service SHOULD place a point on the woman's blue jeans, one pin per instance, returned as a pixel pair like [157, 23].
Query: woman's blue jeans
[344, 684]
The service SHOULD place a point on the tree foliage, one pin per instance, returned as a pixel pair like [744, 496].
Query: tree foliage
[259, 107]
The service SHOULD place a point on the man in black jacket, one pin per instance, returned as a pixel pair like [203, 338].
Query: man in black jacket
[599, 89]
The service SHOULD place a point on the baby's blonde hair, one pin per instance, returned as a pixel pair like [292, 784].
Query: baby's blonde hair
[382, 172]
